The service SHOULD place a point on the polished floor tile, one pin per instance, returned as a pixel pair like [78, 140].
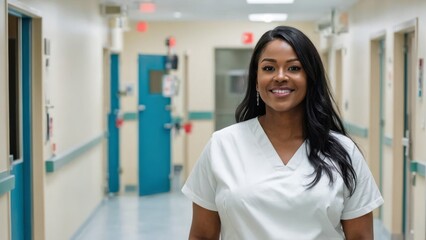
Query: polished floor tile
[156, 217]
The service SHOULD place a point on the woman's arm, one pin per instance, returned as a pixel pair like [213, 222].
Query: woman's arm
[205, 224]
[360, 228]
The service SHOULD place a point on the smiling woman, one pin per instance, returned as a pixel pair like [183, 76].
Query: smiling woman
[287, 169]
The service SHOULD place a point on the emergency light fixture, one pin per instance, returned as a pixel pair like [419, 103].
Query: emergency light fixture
[270, 1]
[267, 17]
[147, 7]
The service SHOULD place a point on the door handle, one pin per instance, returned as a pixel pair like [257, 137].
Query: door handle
[168, 126]
[141, 107]
[406, 143]
[11, 162]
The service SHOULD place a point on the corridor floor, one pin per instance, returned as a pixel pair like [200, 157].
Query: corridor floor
[157, 217]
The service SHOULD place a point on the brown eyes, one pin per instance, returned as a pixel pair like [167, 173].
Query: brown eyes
[268, 68]
[294, 68]
[290, 69]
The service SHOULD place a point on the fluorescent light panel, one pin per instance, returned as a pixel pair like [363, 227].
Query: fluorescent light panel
[270, 1]
[268, 17]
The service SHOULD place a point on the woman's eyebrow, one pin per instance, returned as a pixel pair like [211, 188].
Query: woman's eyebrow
[268, 60]
[293, 60]
[273, 60]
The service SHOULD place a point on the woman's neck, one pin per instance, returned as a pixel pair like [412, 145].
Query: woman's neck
[283, 125]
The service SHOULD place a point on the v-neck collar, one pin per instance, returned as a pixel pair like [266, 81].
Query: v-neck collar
[271, 154]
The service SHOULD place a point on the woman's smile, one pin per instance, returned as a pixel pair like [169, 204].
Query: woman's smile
[281, 92]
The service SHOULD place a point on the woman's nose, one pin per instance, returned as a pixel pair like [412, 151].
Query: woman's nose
[281, 76]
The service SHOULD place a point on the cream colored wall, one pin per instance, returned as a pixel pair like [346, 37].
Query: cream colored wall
[73, 85]
[198, 40]
[367, 18]
[4, 199]
[419, 206]
[72, 194]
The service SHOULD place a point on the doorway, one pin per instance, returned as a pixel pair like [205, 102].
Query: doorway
[405, 54]
[154, 127]
[113, 128]
[20, 120]
[409, 134]
[378, 115]
[231, 68]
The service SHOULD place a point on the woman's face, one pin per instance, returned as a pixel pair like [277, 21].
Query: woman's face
[281, 79]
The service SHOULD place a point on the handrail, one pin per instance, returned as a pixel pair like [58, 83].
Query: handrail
[356, 130]
[419, 168]
[59, 161]
[7, 182]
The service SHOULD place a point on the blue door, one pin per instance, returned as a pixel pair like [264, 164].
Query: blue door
[19, 62]
[154, 127]
[113, 130]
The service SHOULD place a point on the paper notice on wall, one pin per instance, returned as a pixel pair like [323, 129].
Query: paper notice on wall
[170, 85]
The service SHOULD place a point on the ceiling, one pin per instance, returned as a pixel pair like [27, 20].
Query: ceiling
[202, 10]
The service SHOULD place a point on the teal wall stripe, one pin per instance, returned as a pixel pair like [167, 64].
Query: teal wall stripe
[419, 168]
[388, 141]
[59, 161]
[7, 182]
[130, 116]
[133, 116]
[356, 130]
[200, 115]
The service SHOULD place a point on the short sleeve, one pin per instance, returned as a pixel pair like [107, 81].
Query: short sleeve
[200, 186]
[367, 196]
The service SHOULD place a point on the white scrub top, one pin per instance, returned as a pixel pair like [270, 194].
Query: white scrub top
[240, 175]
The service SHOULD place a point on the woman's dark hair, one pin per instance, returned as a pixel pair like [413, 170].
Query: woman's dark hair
[319, 107]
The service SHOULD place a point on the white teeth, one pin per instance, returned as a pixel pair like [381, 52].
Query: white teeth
[281, 91]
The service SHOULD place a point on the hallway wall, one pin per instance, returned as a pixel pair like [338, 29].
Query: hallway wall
[368, 19]
[74, 87]
[198, 41]
[72, 83]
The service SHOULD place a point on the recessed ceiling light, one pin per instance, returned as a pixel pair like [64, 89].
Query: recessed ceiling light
[268, 17]
[270, 1]
[177, 14]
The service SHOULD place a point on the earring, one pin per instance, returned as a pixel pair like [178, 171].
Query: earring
[257, 98]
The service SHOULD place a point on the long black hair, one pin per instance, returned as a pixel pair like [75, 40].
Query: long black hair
[320, 114]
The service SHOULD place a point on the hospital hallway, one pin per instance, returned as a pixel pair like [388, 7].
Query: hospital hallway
[108, 106]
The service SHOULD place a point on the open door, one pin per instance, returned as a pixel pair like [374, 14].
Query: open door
[20, 118]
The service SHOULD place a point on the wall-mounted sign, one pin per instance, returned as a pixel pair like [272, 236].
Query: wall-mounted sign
[247, 38]
[142, 26]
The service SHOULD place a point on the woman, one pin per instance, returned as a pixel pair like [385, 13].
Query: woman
[286, 170]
